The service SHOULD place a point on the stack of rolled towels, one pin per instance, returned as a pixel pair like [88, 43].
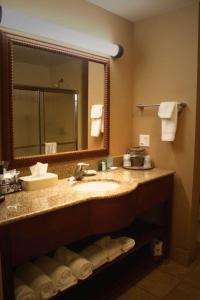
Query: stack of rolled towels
[46, 276]
[33, 277]
[81, 267]
[107, 249]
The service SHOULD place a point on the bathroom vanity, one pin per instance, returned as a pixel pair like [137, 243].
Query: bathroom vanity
[37, 222]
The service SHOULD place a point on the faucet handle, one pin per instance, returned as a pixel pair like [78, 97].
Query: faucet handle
[81, 164]
[79, 171]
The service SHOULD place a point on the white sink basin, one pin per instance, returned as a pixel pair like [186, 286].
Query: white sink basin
[96, 186]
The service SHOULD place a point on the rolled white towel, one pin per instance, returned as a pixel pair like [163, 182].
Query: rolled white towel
[41, 284]
[96, 255]
[126, 243]
[23, 291]
[111, 246]
[81, 268]
[60, 274]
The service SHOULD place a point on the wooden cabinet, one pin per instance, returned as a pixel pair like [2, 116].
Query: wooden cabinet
[39, 235]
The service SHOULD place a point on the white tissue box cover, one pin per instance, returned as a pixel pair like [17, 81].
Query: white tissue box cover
[32, 183]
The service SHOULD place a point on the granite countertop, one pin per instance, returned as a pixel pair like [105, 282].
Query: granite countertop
[25, 204]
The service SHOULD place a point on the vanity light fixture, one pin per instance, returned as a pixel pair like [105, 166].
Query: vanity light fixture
[16, 20]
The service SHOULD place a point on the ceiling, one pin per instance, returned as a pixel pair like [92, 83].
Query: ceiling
[134, 10]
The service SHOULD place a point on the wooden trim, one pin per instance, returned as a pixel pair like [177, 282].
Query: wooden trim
[6, 264]
[7, 41]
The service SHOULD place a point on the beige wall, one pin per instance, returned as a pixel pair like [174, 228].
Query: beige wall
[30, 74]
[83, 16]
[165, 68]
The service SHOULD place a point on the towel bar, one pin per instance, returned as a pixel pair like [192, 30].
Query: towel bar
[141, 106]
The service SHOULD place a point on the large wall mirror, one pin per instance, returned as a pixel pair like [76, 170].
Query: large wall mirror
[55, 102]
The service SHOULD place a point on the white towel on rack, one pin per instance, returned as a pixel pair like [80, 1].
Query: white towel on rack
[168, 112]
[50, 148]
[96, 111]
[96, 120]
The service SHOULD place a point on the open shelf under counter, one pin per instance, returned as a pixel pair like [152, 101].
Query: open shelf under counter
[110, 280]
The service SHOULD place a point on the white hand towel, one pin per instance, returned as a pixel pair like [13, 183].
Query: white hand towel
[80, 267]
[168, 112]
[96, 111]
[96, 255]
[60, 274]
[126, 243]
[23, 291]
[97, 125]
[41, 284]
[50, 148]
[111, 246]
[102, 122]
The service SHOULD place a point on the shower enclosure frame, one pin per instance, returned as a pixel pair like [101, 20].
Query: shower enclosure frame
[41, 90]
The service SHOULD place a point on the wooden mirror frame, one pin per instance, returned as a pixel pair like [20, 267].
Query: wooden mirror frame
[6, 62]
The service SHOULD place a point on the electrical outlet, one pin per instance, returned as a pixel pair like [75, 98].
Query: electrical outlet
[144, 140]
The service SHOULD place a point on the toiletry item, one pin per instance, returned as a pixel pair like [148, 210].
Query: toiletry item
[126, 160]
[99, 166]
[113, 168]
[9, 182]
[103, 165]
[157, 247]
[90, 172]
[3, 166]
[137, 155]
[109, 162]
[2, 198]
[147, 162]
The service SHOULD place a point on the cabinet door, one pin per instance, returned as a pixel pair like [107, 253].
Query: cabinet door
[6, 275]
[39, 235]
[112, 214]
[154, 192]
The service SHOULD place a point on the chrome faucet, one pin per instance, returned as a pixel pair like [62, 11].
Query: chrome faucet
[79, 171]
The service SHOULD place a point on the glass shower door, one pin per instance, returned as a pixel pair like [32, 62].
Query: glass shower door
[59, 120]
[26, 118]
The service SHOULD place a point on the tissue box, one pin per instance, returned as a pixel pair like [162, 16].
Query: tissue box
[32, 183]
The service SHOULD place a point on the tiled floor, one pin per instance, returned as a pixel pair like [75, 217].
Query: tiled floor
[170, 281]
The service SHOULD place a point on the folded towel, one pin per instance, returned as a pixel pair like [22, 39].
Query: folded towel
[126, 243]
[23, 291]
[102, 122]
[165, 110]
[97, 120]
[168, 112]
[41, 284]
[96, 255]
[111, 246]
[50, 148]
[96, 126]
[81, 267]
[60, 274]
[96, 111]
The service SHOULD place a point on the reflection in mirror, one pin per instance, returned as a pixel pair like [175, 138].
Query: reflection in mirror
[53, 94]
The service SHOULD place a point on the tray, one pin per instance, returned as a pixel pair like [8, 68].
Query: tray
[138, 168]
